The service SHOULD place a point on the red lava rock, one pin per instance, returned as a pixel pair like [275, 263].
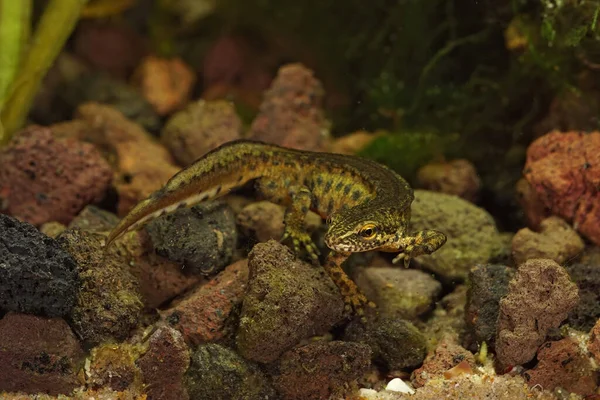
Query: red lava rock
[539, 298]
[201, 127]
[447, 355]
[164, 364]
[165, 83]
[564, 171]
[556, 241]
[535, 211]
[201, 315]
[160, 280]
[594, 342]
[561, 364]
[143, 165]
[111, 47]
[291, 113]
[38, 355]
[321, 370]
[45, 179]
[457, 177]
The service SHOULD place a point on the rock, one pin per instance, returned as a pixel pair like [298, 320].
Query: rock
[472, 234]
[287, 300]
[539, 298]
[563, 169]
[354, 142]
[36, 275]
[201, 315]
[556, 241]
[164, 364]
[448, 318]
[160, 280]
[201, 127]
[587, 310]
[320, 370]
[457, 177]
[218, 373]
[263, 220]
[562, 364]
[97, 88]
[108, 46]
[594, 342]
[487, 284]
[398, 292]
[52, 229]
[143, 165]
[108, 305]
[38, 355]
[165, 83]
[291, 114]
[113, 366]
[535, 211]
[94, 219]
[395, 343]
[43, 178]
[445, 356]
[202, 238]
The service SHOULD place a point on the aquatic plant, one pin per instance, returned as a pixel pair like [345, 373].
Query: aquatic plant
[24, 60]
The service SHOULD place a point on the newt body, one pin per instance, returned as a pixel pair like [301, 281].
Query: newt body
[367, 205]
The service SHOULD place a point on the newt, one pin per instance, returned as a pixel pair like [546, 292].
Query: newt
[366, 205]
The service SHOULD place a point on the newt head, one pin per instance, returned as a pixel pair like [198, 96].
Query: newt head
[364, 228]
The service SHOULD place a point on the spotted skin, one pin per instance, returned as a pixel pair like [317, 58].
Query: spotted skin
[367, 205]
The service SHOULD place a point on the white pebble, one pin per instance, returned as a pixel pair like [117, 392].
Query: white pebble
[398, 385]
[367, 393]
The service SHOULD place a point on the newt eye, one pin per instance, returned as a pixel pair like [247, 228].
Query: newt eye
[368, 231]
[328, 221]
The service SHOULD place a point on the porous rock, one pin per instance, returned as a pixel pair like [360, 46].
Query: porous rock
[43, 178]
[287, 300]
[202, 238]
[587, 311]
[540, 297]
[108, 304]
[38, 354]
[36, 275]
[218, 373]
[113, 366]
[458, 177]
[321, 370]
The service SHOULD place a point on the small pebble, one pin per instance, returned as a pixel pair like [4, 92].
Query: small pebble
[398, 385]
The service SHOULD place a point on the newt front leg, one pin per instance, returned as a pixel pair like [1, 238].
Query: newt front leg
[423, 242]
[354, 299]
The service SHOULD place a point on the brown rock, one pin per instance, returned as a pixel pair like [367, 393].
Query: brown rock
[457, 177]
[561, 364]
[321, 370]
[164, 364]
[108, 46]
[398, 292]
[143, 165]
[160, 280]
[201, 127]
[45, 179]
[291, 113]
[263, 220]
[354, 142]
[594, 342]
[445, 356]
[165, 83]
[94, 219]
[556, 241]
[540, 297]
[201, 315]
[564, 171]
[38, 355]
[52, 229]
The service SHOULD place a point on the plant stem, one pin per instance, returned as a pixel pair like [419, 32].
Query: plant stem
[55, 26]
[14, 29]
